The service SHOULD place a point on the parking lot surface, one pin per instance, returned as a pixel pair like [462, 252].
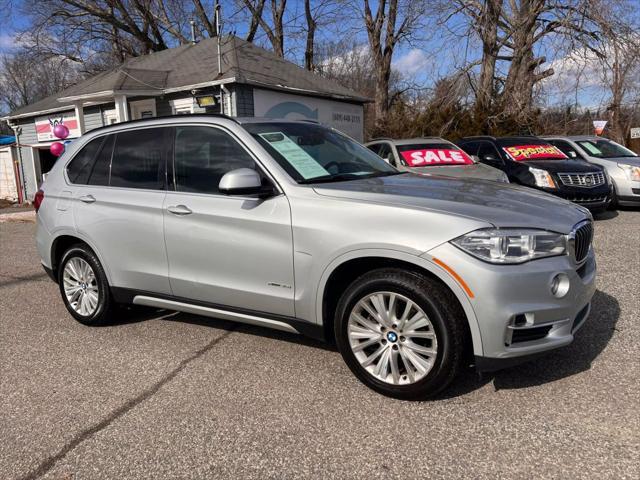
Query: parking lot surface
[166, 395]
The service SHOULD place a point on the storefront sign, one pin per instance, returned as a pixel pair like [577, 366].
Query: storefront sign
[46, 124]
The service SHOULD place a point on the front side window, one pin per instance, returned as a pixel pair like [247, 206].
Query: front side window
[203, 155]
[311, 153]
[565, 147]
[139, 159]
[603, 148]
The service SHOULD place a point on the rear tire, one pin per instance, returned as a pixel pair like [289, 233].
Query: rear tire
[420, 334]
[84, 287]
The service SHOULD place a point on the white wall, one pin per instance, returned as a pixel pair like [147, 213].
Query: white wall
[346, 117]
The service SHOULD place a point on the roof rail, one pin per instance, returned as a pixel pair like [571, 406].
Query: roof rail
[182, 116]
[478, 137]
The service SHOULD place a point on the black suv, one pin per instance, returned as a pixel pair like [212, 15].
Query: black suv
[535, 163]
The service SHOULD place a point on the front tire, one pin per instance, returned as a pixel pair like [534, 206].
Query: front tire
[84, 287]
[401, 333]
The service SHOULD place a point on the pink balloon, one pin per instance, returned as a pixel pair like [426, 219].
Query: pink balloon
[61, 131]
[56, 148]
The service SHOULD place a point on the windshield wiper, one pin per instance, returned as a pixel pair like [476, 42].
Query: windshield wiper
[340, 177]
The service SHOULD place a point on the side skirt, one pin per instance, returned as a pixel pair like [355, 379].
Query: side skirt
[251, 317]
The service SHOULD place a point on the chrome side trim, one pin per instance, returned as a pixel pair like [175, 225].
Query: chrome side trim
[212, 312]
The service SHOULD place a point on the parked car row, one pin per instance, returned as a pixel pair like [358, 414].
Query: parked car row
[590, 171]
[297, 227]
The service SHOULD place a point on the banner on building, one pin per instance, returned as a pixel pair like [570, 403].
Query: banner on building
[46, 124]
[598, 126]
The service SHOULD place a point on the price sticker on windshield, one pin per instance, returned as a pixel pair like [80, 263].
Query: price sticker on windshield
[425, 157]
[532, 152]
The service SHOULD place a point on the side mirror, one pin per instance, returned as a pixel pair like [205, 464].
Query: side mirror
[243, 181]
[475, 159]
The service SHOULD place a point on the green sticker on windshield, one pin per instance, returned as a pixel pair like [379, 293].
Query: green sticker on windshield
[304, 163]
[592, 148]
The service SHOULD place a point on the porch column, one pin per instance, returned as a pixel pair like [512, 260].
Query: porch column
[121, 108]
[79, 116]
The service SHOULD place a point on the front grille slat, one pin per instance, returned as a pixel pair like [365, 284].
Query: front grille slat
[588, 180]
[583, 236]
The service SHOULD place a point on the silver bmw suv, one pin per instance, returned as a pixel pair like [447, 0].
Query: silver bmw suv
[294, 226]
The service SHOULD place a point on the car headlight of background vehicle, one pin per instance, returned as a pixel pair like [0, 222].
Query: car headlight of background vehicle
[511, 245]
[542, 178]
[632, 172]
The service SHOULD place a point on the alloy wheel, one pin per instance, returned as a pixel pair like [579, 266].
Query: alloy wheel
[80, 286]
[392, 338]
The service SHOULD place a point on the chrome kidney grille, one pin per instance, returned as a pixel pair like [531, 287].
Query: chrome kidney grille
[580, 240]
[582, 179]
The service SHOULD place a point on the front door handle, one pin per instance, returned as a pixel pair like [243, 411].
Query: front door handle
[87, 199]
[179, 210]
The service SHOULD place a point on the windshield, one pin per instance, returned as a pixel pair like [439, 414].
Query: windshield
[431, 154]
[605, 149]
[534, 151]
[311, 153]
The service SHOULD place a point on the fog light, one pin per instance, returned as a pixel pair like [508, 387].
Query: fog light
[560, 285]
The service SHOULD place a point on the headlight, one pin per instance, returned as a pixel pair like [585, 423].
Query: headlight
[542, 178]
[632, 173]
[512, 245]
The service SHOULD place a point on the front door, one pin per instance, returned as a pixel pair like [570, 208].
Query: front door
[226, 250]
[143, 109]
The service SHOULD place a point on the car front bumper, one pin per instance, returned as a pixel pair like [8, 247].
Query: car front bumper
[628, 192]
[516, 312]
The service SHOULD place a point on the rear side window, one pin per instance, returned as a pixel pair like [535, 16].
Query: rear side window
[203, 155]
[100, 172]
[80, 167]
[139, 159]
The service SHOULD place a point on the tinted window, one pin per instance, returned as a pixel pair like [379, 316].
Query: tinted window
[138, 159]
[385, 152]
[566, 148]
[375, 148]
[487, 150]
[99, 174]
[80, 167]
[470, 147]
[203, 155]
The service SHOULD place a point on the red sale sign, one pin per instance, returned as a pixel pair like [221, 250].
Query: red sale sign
[530, 152]
[426, 156]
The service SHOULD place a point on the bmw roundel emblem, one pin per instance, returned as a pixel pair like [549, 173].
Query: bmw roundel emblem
[392, 337]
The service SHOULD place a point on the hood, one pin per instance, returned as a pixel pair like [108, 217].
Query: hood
[563, 166]
[477, 170]
[502, 205]
[635, 161]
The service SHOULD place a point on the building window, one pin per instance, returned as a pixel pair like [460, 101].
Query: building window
[185, 106]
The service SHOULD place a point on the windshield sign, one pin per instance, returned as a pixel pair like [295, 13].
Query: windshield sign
[436, 155]
[522, 153]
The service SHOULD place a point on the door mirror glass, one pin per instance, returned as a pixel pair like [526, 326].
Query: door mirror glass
[475, 159]
[242, 181]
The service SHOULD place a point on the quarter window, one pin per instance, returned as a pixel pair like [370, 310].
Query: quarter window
[203, 155]
[139, 159]
[79, 169]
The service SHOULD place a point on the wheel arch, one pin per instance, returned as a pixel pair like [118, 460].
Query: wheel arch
[61, 244]
[346, 268]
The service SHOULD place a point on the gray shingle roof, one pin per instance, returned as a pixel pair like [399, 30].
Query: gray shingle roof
[190, 64]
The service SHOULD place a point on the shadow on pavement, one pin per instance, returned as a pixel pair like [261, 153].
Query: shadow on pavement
[590, 341]
[606, 215]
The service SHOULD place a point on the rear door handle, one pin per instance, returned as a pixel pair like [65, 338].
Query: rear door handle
[87, 199]
[179, 210]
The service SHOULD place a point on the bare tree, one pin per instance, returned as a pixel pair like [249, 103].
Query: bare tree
[393, 22]
[275, 30]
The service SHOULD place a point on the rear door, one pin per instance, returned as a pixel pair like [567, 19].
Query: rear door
[117, 207]
[232, 251]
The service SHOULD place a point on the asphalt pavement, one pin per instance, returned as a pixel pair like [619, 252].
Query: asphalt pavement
[167, 395]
